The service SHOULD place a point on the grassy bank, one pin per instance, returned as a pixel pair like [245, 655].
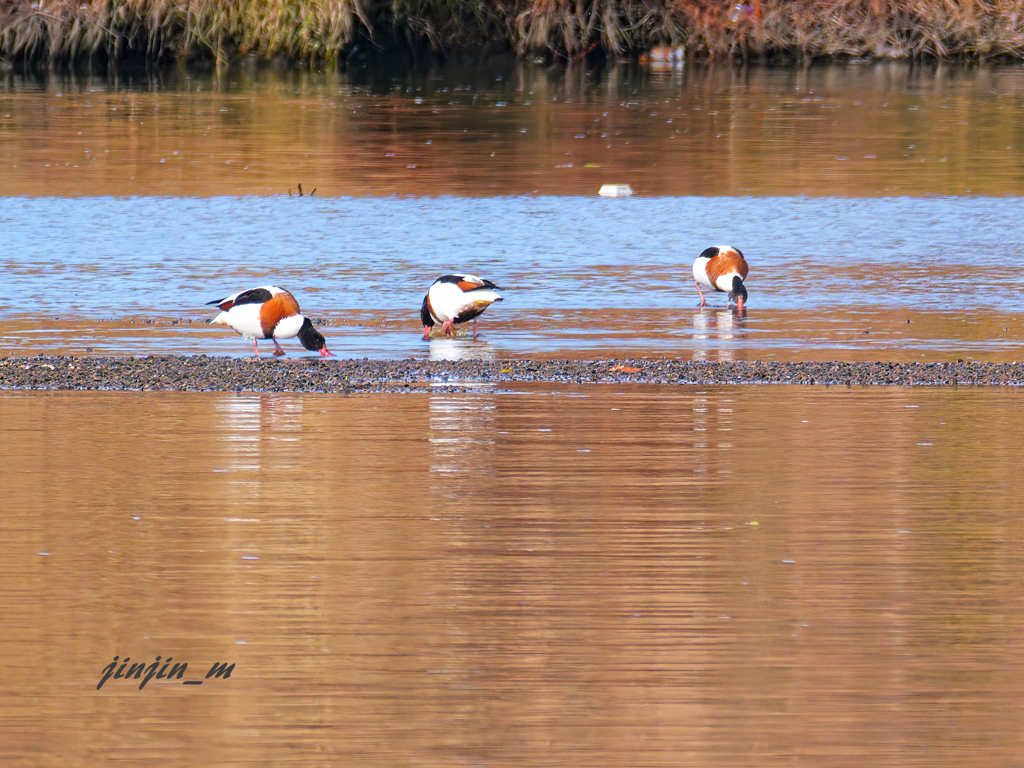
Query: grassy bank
[325, 30]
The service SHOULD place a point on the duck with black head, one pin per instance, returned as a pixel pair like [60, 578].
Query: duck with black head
[454, 299]
[722, 268]
[271, 313]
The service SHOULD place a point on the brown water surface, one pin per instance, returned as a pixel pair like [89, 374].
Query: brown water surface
[597, 576]
[844, 129]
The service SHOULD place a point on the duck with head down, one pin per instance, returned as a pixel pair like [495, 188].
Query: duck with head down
[454, 299]
[722, 268]
[271, 313]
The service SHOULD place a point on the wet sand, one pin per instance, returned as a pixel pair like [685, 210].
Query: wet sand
[212, 374]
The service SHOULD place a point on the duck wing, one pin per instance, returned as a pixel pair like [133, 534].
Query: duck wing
[467, 282]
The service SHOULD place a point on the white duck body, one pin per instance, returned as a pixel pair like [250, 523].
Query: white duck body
[456, 299]
[449, 302]
[245, 320]
[268, 312]
[728, 263]
[722, 268]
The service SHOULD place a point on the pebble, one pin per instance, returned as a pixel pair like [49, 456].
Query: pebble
[224, 374]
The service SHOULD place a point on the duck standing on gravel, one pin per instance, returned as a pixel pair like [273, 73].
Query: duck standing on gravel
[271, 313]
[456, 299]
[722, 268]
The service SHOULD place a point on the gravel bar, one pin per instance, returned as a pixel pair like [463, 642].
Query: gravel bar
[221, 374]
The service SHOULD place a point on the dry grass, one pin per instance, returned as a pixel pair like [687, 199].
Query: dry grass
[157, 29]
[885, 28]
[321, 29]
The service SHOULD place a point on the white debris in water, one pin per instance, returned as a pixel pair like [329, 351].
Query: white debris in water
[616, 190]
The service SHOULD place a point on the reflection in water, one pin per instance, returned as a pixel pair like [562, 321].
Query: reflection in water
[250, 419]
[241, 423]
[580, 576]
[666, 72]
[250, 427]
[712, 425]
[447, 348]
[847, 128]
[461, 437]
[721, 326]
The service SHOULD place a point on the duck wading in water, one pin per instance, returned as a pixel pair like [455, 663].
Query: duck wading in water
[454, 299]
[722, 268]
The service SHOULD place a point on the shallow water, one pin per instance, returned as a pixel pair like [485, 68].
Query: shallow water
[613, 576]
[130, 203]
[898, 279]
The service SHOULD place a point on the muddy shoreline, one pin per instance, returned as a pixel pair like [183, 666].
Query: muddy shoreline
[213, 374]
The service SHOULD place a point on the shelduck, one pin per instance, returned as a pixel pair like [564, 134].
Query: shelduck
[722, 268]
[271, 313]
[456, 299]
[664, 54]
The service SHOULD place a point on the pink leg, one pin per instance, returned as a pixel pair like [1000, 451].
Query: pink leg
[475, 322]
[447, 327]
[703, 301]
[255, 349]
[278, 352]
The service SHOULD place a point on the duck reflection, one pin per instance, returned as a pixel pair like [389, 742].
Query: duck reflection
[721, 326]
[462, 349]
[664, 64]
[248, 423]
[462, 437]
[712, 442]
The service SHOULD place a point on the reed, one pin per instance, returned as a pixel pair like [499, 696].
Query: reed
[159, 29]
[62, 30]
